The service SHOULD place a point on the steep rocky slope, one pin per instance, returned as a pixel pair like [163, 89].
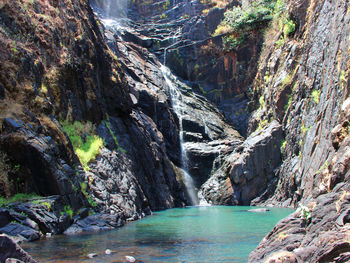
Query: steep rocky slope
[62, 89]
[304, 84]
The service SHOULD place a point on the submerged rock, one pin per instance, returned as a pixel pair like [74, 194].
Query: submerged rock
[130, 259]
[259, 210]
[92, 255]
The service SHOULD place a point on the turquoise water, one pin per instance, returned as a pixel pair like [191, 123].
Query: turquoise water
[193, 234]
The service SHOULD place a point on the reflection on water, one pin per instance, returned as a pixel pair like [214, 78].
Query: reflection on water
[194, 234]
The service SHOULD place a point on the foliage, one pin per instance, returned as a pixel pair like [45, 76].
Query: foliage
[83, 187]
[85, 143]
[342, 78]
[89, 150]
[68, 210]
[43, 88]
[166, 5]
[108, 125]
[47, 204]
[283, 144]
[262, 124]
[315, 94]
[304, 129]
[287, 80]
[305, 213]
[203, 91]
[163, 16]
[262, 102]
[231, 42]
[240, 22]
[20, 197]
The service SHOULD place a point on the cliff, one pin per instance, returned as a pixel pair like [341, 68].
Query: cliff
[304, 85]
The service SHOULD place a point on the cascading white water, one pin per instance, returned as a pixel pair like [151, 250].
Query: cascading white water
[112, 8]
[176, 100]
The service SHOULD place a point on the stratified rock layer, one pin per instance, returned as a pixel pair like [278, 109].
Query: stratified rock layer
[315, 169]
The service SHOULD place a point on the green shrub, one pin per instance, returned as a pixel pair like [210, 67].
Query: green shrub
[89, 150]
[202, 90]
[283, 144]
[47, 204]
[86, 149]
[163, 16]
[305, 213]
[232, 42]
[289, 27]
[239, 20]
[166, 5]
[108, 125]
[315, 94]
[68, 210]
[83, 187]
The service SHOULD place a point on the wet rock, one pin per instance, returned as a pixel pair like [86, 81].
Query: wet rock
[259, 210]
[9, 249]
[46, 213]
[92, 255]
[13, 260]
[95, 223]
[130, 259]
[15, 229]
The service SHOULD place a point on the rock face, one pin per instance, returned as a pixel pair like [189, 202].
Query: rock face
[246, 172]
[9, 249]
[315, 167]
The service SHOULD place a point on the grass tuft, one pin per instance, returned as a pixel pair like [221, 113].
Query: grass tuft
[20, 197]
[86, 149]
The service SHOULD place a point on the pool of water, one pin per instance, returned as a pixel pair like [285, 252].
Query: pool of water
[192, 234]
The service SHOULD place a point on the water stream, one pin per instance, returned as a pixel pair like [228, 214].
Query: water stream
[193, 234]
[176, 100]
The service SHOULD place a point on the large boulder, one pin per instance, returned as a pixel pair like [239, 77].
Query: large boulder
[95, 223]
[10, 249]
[245, 172]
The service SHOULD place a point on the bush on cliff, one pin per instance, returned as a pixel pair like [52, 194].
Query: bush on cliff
[239, 22]
[86, 143]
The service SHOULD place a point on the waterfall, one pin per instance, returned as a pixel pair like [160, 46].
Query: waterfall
[164, 58]
[112, 8]
[176, 100]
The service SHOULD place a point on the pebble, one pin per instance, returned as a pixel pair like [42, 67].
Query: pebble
[130, 259]
[92, 255]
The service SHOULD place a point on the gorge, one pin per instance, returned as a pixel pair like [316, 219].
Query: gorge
[112, 110]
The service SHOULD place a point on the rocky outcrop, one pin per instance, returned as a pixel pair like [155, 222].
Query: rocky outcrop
[246, 171]
[66, 72]
[311, 72]
[10, 250]
[95, 223]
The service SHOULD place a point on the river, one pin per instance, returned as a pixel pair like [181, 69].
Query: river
[192, 234]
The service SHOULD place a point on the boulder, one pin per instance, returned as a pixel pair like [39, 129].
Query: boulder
[95, 223]
[15, 229]
[9, 249]
[245, 173]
